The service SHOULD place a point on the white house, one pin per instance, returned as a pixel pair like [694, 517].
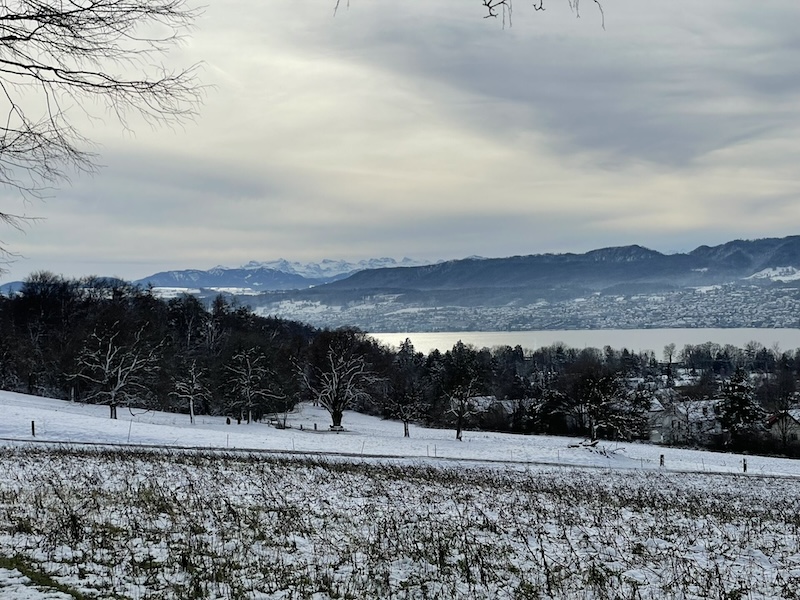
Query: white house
[684, 422]
[784, 427]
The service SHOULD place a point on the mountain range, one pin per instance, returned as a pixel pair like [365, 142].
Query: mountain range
[273, 275]
[625, 269]
[742, 283]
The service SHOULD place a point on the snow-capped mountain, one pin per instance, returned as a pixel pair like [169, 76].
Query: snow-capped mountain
[332, 269]
[273, 275]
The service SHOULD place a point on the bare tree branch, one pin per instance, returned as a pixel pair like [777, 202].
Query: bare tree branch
[58, 57]
[504, 8]
[189, 386]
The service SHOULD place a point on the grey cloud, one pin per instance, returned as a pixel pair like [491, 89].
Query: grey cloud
[190, 177]
[164, 190]
[151, 208]
[664, 84]
[458, 235]
[625, 94]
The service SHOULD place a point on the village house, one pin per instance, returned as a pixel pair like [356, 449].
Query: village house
[784, 427]
[685, 422]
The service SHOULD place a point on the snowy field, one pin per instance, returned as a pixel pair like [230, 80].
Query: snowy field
[298, 513]
[365, 436]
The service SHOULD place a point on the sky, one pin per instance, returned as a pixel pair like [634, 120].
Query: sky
[423, 130]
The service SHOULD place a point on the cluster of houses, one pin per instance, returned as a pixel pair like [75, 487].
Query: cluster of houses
[674, 420]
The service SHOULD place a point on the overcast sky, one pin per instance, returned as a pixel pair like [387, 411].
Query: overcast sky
[421, 129]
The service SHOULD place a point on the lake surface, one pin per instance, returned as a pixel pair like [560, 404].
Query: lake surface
[632, 339]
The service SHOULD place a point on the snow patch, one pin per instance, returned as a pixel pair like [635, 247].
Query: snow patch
[777, 274]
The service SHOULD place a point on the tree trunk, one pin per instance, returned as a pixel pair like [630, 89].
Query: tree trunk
[336, 417]
[405, 429]
[458, 429]
[112, 408]
[191, 411]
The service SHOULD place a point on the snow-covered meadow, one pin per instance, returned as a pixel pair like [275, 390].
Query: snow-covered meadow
[303, 513]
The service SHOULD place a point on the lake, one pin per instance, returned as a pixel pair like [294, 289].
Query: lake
[632, 339]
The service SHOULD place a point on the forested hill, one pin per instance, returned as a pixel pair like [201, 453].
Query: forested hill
[598, 270]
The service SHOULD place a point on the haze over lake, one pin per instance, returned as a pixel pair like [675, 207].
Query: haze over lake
[633, 339]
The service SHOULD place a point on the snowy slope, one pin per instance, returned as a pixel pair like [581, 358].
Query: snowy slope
[61, 421]
[777, 274]
[224, 525]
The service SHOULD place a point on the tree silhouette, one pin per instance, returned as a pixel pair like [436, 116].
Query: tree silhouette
[341, 377]
[118, 371]
[60, 59]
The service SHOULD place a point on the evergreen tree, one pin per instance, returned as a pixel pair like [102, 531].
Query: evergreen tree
[740, 414]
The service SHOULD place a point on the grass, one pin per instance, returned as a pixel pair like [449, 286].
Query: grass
[164, 525]
[37, 577]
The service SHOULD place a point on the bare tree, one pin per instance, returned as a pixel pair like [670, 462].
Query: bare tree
[341, 382]
[462, 406]
[189, 386]
[405, 400]
[504, 8]
[248, 374]
[117, 372]
[58, 58]
[460, 377]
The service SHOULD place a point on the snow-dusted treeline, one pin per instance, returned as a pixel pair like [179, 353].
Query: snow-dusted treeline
[106, 342]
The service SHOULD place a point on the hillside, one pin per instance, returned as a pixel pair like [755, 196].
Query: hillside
[59, 421]
[742, 283]
[596, 270]
[738, 284]
[483, 521]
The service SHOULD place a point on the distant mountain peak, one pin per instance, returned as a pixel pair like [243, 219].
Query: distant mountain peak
[280, 274]
[630, 253]
[328, 268]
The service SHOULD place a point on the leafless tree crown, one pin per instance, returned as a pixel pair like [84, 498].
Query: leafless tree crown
[504, 8]
[59, 58]
[496, 8]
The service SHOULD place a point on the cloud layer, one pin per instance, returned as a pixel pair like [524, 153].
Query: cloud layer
[424, 130]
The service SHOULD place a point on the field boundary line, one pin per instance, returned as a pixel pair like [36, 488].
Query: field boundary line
[391, 457]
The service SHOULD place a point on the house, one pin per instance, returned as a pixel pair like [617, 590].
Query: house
[488, 412]
[685, 422]
[784, 427]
